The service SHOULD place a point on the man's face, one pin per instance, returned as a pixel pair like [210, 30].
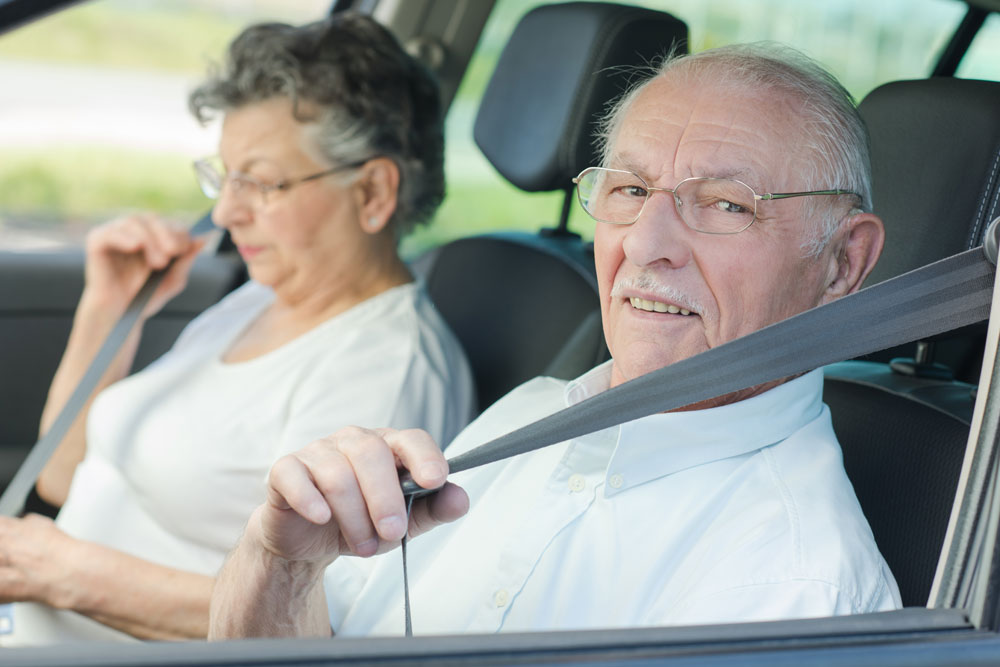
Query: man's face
[732, 284]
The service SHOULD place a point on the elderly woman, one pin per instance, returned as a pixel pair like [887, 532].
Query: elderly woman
[331, 149]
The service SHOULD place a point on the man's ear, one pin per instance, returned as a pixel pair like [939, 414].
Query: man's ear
[856, 248]
[377, 191]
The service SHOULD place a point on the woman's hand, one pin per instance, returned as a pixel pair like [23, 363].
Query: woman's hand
[121, 255]
[341, 495]
[37, 561]
[40, 563]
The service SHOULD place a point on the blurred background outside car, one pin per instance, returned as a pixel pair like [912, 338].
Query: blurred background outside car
[93, 117]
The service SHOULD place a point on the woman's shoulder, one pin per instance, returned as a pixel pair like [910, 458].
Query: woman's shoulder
[401, 319]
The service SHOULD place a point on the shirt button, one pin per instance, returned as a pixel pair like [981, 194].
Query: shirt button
[616, 481]
[500, 598]
[577, 483]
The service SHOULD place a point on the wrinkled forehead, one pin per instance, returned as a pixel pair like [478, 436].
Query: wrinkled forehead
[683, 125]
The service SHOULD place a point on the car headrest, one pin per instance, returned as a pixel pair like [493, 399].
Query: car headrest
[935, 167]
[560, 68]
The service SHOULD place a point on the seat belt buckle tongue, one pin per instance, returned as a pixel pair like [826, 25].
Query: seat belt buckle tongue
[991, 240]
[411, 489]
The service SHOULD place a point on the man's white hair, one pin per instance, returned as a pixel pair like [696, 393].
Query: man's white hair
[836, 147]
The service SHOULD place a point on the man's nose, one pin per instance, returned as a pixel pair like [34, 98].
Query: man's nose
[659, 234]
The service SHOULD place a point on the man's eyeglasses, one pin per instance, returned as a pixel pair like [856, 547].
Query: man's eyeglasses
[707, 205]
[212, 177]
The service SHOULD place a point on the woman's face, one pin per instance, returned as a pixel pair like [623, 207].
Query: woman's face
[296, 239]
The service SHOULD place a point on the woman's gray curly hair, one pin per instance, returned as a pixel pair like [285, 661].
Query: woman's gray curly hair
[365, 94]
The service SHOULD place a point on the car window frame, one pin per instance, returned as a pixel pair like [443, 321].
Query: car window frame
[963, 612]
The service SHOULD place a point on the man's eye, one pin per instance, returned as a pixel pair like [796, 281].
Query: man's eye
[726, 206]
[630, 191]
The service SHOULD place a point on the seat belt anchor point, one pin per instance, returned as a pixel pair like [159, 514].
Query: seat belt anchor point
[991, 240]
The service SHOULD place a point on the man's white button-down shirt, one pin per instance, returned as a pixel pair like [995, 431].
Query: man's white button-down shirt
[736, 513]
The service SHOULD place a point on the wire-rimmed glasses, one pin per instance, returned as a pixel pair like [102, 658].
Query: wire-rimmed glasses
[212, 178]
[707, 205]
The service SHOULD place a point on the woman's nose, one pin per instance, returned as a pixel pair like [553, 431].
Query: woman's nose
[230, 209]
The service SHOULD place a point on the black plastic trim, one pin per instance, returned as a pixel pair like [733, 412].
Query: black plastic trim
[960, 41]
[14, 13]
[878, 634]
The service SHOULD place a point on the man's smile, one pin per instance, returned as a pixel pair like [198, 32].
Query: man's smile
[657, 306]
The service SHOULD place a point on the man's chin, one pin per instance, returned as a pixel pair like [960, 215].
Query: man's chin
[734, 397]
[625, 371]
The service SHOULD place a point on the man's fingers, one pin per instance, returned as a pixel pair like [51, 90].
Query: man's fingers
[290, 486]
[374, 467]
[420, 455]
[352, 479]
[329, 464]
[451, 502]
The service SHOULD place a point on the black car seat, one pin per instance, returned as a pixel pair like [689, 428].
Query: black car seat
[903, 424]
[526, 304]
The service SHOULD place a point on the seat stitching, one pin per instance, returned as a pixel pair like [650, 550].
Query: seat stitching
[996, 195]
[982, 204]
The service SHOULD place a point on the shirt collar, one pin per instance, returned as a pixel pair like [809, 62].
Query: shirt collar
[591, 383]
[665, 443]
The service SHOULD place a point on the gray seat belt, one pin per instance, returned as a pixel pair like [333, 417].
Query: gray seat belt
[12, 500]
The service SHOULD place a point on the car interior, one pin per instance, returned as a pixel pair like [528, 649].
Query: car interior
[903, 423]
[525, 304]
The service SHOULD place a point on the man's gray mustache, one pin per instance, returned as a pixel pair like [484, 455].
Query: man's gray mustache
[659, 291]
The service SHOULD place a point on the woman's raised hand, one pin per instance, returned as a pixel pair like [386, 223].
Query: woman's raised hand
[123, 253]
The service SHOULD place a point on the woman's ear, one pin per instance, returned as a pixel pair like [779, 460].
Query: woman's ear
[855, 250]
[378, 193]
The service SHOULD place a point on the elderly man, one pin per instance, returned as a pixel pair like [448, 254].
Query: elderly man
[735, 193]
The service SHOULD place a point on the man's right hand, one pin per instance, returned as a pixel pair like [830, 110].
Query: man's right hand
[121, 255]
[341, 495]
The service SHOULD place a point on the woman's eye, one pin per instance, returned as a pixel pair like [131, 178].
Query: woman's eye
[241, 182]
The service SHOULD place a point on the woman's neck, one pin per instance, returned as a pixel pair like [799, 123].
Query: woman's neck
[296, 310]
[341, 290]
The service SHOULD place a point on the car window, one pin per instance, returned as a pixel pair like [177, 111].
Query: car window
[93, 117]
